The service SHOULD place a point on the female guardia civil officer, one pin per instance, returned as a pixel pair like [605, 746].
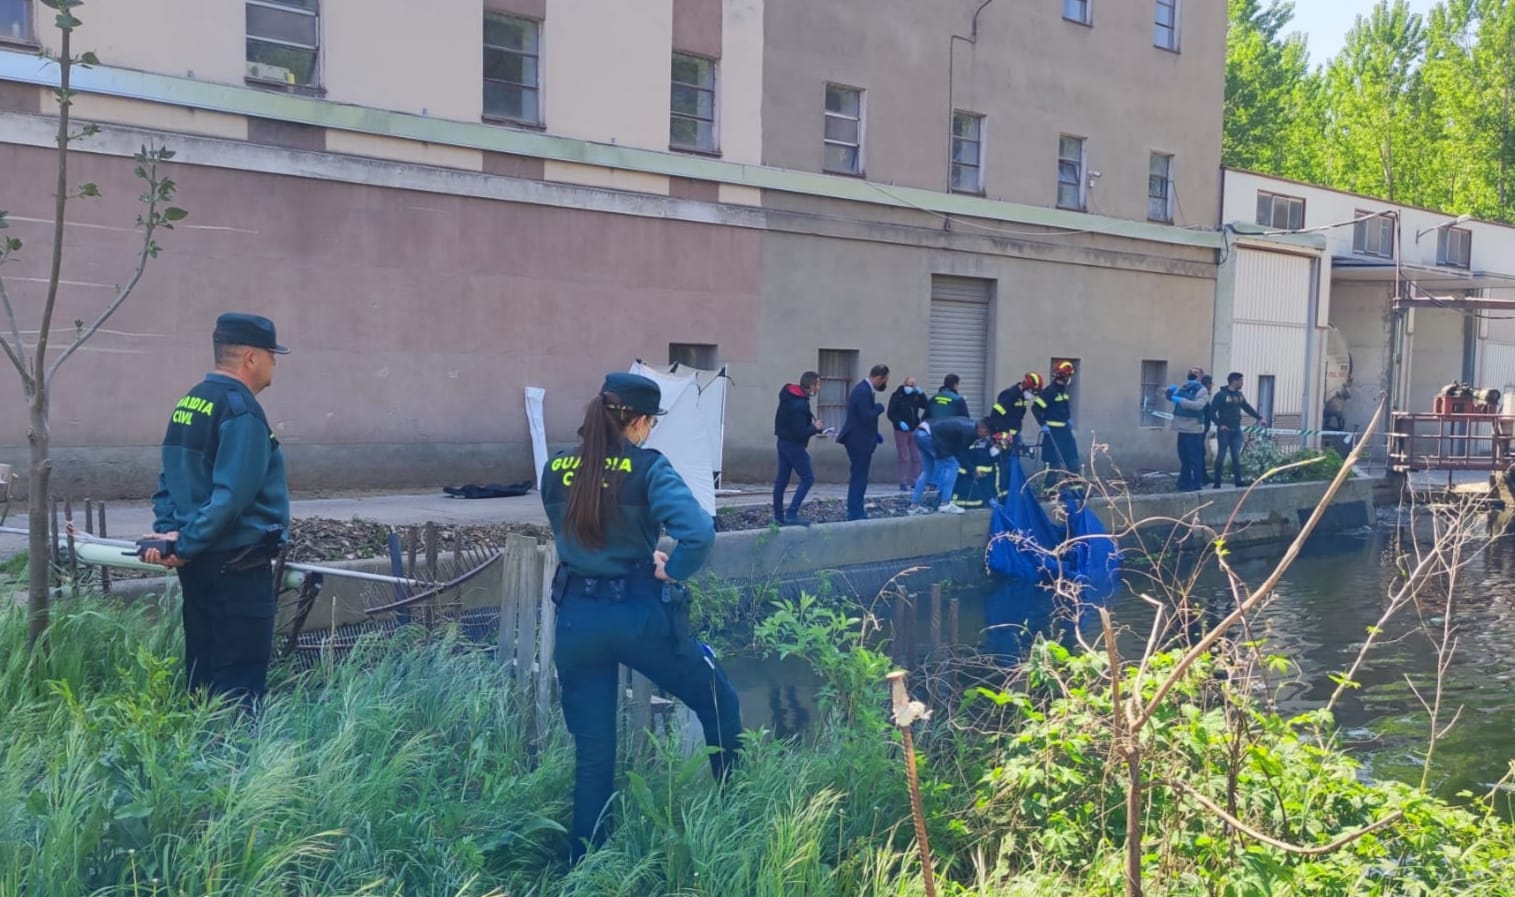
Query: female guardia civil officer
[620, 601]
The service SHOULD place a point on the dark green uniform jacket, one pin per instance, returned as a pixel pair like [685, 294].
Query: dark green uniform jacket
[222, 485]
[653, 498]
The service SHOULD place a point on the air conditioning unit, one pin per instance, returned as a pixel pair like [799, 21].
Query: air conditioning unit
[262, 71]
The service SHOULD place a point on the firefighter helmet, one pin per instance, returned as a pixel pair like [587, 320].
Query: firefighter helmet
[1063, 369]
[1032, 381]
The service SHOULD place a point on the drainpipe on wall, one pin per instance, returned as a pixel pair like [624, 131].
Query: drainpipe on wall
[971, 39]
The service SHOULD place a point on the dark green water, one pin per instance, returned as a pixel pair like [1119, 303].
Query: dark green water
[1319, 619]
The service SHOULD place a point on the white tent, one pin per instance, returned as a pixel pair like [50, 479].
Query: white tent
[693, 432]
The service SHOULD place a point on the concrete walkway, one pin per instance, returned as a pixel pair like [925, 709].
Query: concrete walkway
[127, 519]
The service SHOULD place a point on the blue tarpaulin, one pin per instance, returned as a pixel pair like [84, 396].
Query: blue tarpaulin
[1025, 544]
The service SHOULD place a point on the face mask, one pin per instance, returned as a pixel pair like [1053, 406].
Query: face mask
[909, 390]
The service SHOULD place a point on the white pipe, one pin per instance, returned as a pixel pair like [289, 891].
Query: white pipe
[109, 553]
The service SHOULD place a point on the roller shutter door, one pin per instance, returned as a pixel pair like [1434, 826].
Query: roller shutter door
[960, 338]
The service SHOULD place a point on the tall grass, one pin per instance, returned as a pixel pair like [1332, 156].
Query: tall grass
[408, 769]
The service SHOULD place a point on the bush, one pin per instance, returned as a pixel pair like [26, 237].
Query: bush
[1265, 454]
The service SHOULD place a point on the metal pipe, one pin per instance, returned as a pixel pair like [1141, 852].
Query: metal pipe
[110, 553]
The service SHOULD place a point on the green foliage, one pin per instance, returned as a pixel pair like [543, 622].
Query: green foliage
[1264, 454]
[833, 642]
[1416, 109]
[409, 769]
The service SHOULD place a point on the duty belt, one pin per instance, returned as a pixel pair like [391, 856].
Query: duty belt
[565, 582]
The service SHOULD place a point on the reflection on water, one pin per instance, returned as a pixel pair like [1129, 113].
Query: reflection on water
[1319, 618]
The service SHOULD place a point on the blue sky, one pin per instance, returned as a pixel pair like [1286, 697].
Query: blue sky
[1326, 22]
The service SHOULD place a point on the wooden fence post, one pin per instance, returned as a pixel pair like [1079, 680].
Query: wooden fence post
[547, 641]
[512, 557]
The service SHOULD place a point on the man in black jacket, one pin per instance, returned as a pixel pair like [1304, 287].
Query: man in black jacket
[1226, 409]
[905, 409]
[793, 424]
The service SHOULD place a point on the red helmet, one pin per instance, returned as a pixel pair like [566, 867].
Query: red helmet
[1063, 369]
[1032, 381]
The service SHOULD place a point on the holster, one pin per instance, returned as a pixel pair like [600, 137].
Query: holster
[676, 605]
[259, 554]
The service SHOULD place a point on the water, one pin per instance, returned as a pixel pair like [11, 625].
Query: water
[1318, 619]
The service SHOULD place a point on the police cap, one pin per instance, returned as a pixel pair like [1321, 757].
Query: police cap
[238, 329]
[636, 393]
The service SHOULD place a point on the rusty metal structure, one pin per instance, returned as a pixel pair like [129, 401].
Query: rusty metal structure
[1465, 430]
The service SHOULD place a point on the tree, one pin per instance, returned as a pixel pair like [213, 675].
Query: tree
[31, 363]
[1382, 134]
[1272, 99]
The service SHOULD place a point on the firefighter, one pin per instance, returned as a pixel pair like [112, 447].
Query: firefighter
[1061, 452]
[1009, 412]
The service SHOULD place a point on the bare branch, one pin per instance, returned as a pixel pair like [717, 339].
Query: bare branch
[121, 293]
[16, 353]
[1249, 831]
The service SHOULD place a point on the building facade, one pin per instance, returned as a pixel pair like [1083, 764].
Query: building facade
[1314, 310]
[440, 209]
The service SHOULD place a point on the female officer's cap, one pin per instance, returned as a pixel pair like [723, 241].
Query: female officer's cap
[637, 393]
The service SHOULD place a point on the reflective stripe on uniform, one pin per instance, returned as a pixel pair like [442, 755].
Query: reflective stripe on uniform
[1057, 423]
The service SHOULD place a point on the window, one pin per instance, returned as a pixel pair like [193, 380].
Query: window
[838, 370]
[512, 69]
[1454, 246]
[967, 152]
[844, 130]
[700, 356]
[1265, 385]
[283, 42]
[692, 108]
[1280, 212]
[1078, 11]
[16, 20]
[1154, 382]
[1373, 236]
[1070, 173]
[1165, 29]
[1160, 188]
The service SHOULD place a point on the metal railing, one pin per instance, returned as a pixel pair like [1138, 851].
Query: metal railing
[1426, 441]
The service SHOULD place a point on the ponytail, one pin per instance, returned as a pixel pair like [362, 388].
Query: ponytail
[594, 496]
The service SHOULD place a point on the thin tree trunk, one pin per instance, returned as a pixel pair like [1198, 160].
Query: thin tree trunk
[42, 465]
[38, 550]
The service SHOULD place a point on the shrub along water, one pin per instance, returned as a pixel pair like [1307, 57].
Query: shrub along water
[407, 769]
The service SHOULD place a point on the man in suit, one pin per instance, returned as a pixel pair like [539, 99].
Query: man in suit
[860, 435]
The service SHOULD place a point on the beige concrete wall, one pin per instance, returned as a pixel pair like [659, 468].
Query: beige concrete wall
[607, 71]
[740, 106]
[611, 178]
[1031, 73]
[355, 144]
[139, 113]
[821, 293]
[395, 54]
[1361, 313]
[188, 38]
[415, 319]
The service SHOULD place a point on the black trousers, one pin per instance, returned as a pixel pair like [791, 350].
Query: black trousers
[1191, 461]
[600, 625]
[228, 627]
[860, 459]
[1064, 450]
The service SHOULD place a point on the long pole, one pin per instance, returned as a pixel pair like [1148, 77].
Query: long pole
[109, 553]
